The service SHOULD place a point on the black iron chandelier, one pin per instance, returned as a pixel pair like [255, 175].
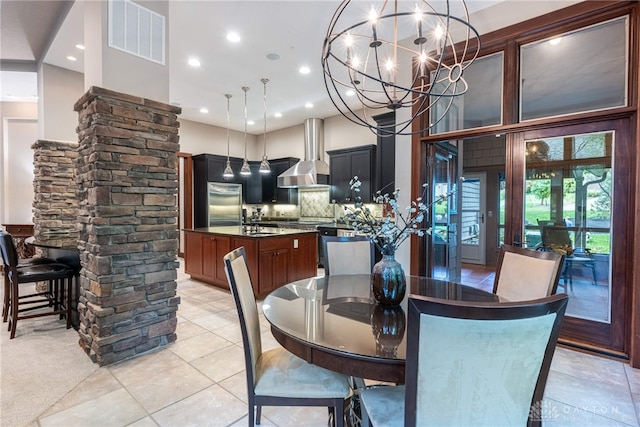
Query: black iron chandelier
[368, 59]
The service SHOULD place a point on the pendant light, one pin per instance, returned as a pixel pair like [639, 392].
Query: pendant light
[228, 171]
[264, 165]
[245, 170]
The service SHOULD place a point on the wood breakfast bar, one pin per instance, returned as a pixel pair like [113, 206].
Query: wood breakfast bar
[275, 256]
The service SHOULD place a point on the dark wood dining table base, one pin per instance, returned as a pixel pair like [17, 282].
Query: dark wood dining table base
[387, 370]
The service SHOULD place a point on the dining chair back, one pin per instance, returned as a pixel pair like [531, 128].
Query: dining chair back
[479, 364]
[277, 377]
[348, 255]
[525, 274]
[55, 300]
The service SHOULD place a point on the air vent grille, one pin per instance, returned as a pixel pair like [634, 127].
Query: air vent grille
[136, 30]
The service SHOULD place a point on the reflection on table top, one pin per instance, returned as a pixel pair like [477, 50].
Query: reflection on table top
[337, 314]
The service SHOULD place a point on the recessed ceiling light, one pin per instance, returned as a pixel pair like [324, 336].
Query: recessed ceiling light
[556, 40]
[233, 37]
[80, 46]
[278, 115]
[251, 122]
[350, 92]
[273, 56]
[72, 58]
[308, 105]
[194, 62]
[204, 110]
[305, 70]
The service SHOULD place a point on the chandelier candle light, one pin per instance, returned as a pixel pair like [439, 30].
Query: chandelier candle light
[388, 281]
[371, 56]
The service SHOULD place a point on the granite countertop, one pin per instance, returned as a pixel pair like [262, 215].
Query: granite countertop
[262, 232]
[273, 222]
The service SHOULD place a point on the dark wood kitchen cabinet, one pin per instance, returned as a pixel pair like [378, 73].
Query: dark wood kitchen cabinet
[210, 167]
[273, 264]
[263, 188]
[252, 185]
[271, 192]
[203, 257]
[273, 260]
[385, 155]
[347, 163]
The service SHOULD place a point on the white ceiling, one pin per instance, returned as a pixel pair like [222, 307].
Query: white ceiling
[294, 30]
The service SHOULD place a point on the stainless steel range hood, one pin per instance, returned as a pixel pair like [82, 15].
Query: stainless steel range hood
[312, 171]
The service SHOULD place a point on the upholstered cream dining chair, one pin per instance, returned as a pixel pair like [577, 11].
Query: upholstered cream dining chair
[277, 377]
[525, 274]
[472, 364]
[347, 255]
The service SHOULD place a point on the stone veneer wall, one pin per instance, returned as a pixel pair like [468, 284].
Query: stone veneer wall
[127, 175]
[55, 205]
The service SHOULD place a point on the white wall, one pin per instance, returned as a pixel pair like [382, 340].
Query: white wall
[119, 71]
[338, 133]
[19, 130]
[198, 138]
[58, 91]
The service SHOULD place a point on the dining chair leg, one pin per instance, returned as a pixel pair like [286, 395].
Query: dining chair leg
[250, 415]
[338, 414]
[13, 320]
[6, 295]
[258, 414]
[55, 294]
[68, 303]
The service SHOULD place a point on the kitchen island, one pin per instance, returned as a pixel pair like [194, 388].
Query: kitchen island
[275, 256]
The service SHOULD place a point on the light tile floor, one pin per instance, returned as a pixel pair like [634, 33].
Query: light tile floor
[200, 381]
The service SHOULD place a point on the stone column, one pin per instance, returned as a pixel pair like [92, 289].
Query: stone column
[127, 175]
[55, 206]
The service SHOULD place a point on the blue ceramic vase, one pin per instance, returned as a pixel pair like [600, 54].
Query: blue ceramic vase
[388, 281]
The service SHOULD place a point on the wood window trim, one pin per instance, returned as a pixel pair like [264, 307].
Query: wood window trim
[509, 40]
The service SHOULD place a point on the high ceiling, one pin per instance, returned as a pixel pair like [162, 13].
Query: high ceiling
[293, 30]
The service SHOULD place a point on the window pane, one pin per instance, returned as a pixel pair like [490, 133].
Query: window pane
[581, 71]
[567, 209]
[480, 106]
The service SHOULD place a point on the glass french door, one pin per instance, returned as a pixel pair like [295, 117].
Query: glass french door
[472, 220]
[443, 255]
[573, 201]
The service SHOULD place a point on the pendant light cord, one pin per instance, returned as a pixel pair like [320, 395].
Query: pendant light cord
[228, 96]
[245, 89]
[264, 82]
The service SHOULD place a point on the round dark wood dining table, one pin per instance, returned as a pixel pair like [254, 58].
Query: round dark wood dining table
[334, 322]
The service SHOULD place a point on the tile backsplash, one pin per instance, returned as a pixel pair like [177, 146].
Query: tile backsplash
[315, 203]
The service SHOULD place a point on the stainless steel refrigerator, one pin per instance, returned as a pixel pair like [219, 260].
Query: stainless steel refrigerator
[224, 204]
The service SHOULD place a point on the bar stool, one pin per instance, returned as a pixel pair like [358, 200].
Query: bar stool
[22, 262]
[58, 296]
